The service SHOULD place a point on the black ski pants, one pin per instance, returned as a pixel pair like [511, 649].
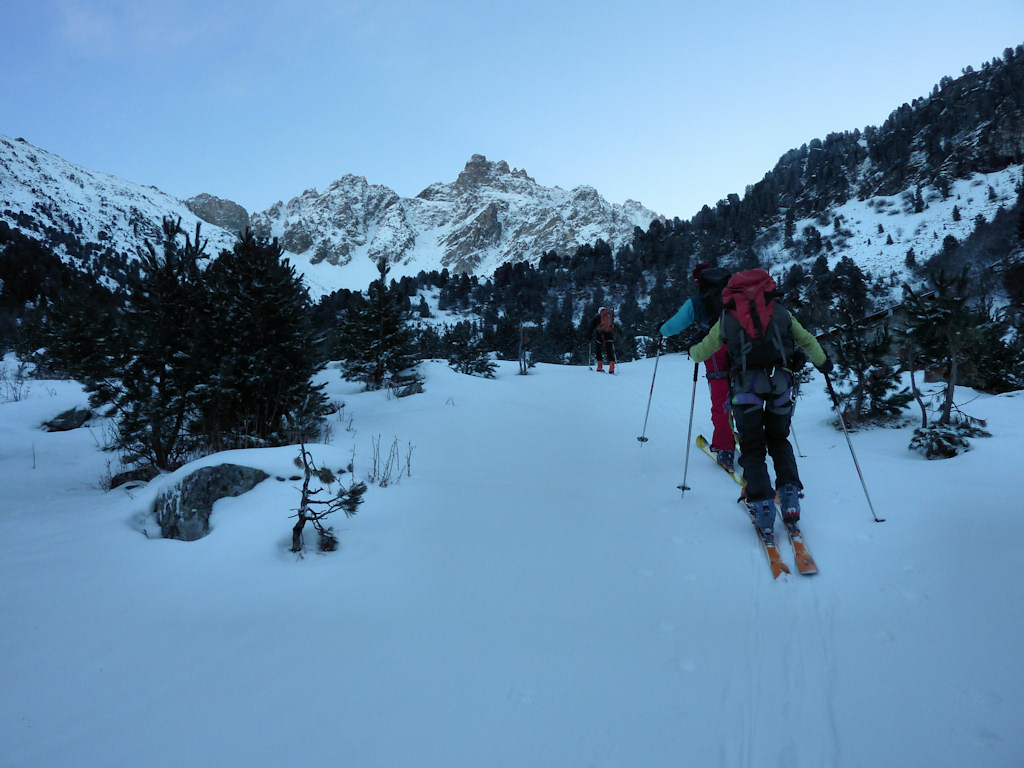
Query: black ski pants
[763, 431]
[604, 344]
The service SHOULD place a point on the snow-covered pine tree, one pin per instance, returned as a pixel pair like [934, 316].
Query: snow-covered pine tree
[869, 389]
[377, 345]
[942, 331]
[467, 352]
[263, 351]
[154, 364]
[941, 327]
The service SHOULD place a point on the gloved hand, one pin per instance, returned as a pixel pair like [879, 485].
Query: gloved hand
[827, 366]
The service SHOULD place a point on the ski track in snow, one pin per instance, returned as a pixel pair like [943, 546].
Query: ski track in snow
[537, 592]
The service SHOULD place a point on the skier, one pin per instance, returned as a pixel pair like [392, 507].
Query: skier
[762, 336]
[604, 339]
[704, 309]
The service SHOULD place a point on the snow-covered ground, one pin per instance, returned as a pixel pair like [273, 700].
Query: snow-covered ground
[536, 592]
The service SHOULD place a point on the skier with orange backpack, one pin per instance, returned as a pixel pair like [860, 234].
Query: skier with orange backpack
[604, 338]
[762, 339]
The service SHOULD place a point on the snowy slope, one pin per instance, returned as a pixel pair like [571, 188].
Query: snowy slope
[98, 207]
[877, 233]
[536, 593]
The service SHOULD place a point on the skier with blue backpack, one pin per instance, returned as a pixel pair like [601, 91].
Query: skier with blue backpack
[702, 310]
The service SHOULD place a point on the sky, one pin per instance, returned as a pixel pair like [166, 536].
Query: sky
[671, 104]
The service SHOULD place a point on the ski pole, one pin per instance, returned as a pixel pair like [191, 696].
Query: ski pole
[792, 431]
[796, 442]
[643, 438]
[839, 412]
[689, 430]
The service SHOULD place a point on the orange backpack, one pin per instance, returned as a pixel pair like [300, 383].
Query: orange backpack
[607, 321]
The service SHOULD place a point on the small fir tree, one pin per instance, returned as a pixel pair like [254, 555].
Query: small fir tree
[377, 346]
[942, 329]
[869, 389]
[467, 352]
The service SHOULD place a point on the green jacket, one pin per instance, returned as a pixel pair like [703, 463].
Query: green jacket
[711, 343]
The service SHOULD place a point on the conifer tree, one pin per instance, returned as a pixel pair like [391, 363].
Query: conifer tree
[152, 366]
[850, 288]
[263, 351]
[467, 352]
[941, 329]
[869, 388]
[377, 345]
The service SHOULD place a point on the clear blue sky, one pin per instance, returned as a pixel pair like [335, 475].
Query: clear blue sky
[674, 104]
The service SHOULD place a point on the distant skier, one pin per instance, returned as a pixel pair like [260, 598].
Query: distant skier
[704, 309]
[602, 330]
[762, 336]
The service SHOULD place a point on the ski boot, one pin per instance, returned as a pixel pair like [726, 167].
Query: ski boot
[762, 512]
[600, 366]
[789, 500]
[726, 459]
[611, 367]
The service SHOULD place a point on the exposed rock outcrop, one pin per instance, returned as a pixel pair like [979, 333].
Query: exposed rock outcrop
[183, 511]
[71, 419]
[219, 212]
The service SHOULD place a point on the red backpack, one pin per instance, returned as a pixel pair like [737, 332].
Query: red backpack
[759, 332]
[750, 298]
[606, 324]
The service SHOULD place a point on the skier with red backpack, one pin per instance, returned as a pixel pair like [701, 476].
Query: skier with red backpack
[703, 310]
[762, 339]
[604, 338]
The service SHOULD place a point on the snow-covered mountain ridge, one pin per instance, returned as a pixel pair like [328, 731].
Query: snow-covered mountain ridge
[489, 215]
[95, 207]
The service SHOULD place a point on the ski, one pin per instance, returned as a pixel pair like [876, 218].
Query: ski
[804, 562]
[771, 549]
[703, 444]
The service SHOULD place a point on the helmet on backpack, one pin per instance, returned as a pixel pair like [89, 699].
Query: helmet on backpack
[698, 270]
[711, 281]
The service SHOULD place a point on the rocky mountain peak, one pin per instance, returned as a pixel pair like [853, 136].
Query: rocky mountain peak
[479, 171]
[490, 214]
[219, 212]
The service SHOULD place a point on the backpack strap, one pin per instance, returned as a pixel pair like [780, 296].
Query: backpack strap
[778, 342]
